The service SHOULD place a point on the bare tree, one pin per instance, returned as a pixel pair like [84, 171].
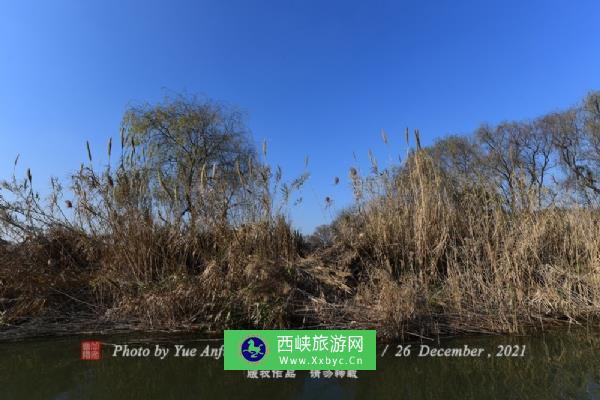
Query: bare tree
[518, 157]
[576, 136]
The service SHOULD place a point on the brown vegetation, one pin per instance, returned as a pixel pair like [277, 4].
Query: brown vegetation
[496, 232]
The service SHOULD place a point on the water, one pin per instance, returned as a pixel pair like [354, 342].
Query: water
[555, 366]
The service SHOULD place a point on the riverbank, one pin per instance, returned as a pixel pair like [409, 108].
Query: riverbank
[445, 243]
[426, 268]
[532, 272]
[87, 326]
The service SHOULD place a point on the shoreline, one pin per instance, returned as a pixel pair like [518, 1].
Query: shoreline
[35, 330]
[44, 329]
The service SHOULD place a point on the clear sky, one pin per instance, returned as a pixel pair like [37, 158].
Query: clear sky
[316, 78]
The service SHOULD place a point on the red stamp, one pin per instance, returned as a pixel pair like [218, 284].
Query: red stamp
[91, 350]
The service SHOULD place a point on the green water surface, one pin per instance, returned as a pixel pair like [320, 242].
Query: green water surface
[561, 365]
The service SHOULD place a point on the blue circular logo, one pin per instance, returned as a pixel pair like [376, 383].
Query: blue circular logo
[253, 349]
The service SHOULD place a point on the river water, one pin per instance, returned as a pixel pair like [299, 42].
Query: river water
[560, 365]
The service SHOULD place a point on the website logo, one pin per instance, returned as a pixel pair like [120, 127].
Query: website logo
[344, 350]
[254, 349]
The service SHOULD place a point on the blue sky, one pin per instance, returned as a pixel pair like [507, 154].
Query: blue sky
[316, 78]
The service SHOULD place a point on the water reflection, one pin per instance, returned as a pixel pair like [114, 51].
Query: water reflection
[556, 366]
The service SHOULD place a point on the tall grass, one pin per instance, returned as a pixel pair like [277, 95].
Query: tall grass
[141, 245]
[196, 244]
[433, 256]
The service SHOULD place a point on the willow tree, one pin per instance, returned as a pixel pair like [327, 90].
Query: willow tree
[197, 156]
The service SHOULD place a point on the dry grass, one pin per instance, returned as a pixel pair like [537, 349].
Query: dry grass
[420, 254]
[434, 257]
